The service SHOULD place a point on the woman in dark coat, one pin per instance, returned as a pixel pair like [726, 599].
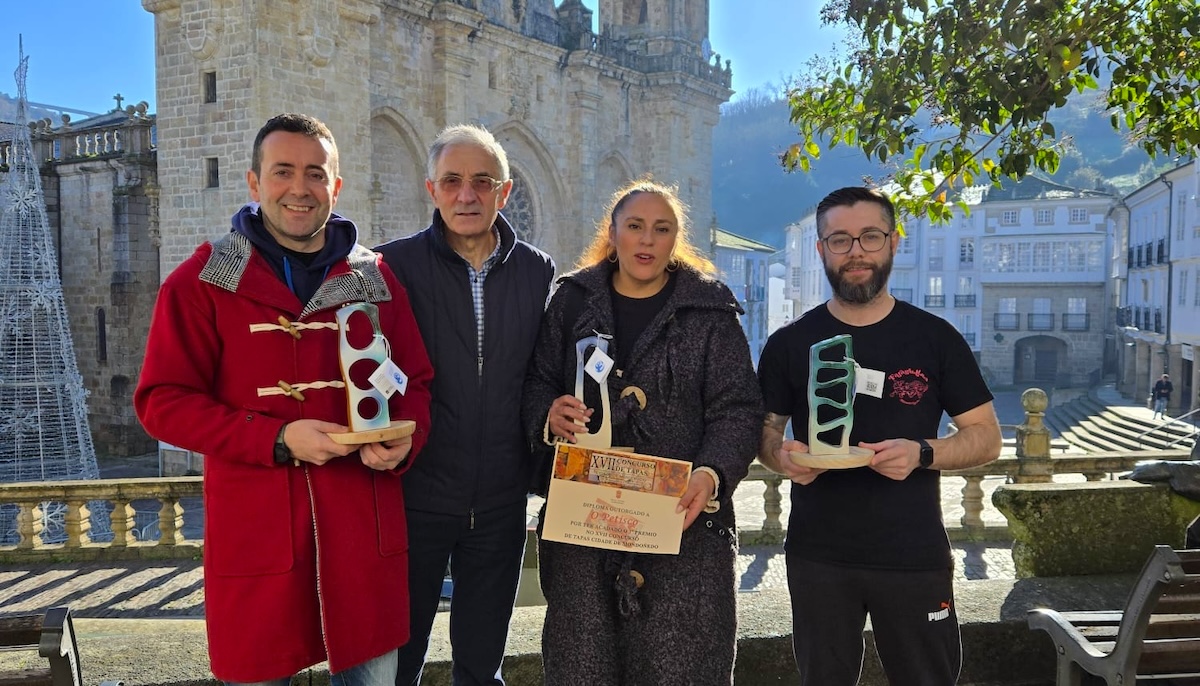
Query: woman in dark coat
[616, 618]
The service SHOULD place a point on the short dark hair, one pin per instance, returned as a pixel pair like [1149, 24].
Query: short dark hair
[293, 123]
[850, 196]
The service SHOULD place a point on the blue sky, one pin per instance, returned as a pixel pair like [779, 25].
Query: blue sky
[107, 46]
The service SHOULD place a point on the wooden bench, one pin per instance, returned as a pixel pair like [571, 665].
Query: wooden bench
[1156, 637]
[53, 636]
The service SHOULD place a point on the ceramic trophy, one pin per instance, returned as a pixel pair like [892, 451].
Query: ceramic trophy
[831, 384]
[597, 436]
[370, 421]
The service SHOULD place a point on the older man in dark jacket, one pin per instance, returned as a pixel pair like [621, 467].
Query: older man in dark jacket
[478, 294]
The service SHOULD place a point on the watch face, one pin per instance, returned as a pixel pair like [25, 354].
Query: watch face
[926, 454]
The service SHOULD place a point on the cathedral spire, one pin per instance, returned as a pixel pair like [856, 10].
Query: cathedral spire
[44, 432]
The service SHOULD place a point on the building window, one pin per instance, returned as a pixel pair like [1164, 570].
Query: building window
[1079, 215]
[1041, 319]
[1009, 217]
[1007, 318]
[1196, 291]
[797, 277]
[966, 252]
[210, 86]
[1044, 216]
[937, 252]
[935, 297]
[212, 173]
[493, 79]
[1183, 284]
[101, 336]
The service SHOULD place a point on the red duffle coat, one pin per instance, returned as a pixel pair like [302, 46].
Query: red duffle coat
[301, 563]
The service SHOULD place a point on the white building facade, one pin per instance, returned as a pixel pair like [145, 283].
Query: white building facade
[742, 265]
[1022, 277]
[1157, 285]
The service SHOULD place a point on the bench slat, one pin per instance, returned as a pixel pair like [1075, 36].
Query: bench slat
[28, 677]
[22, 630]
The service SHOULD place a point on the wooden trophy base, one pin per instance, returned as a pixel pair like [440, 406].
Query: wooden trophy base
[857, 457]
[398, 429]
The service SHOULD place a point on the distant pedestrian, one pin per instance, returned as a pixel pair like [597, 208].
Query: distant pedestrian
[1162, 395]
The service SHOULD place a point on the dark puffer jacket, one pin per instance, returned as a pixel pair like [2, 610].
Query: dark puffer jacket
[477, 458]
[703, 405]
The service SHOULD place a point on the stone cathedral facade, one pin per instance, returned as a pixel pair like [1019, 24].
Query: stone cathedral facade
[130, 194]
[578, 112]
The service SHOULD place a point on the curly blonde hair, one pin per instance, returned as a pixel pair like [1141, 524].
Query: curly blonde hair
[601, 248]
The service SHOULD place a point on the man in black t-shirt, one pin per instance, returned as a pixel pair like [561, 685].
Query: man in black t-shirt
[870, 540]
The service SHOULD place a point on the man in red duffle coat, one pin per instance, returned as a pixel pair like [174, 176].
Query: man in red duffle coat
[305, 555]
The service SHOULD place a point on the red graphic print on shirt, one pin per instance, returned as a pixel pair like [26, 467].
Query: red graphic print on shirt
[909, 385]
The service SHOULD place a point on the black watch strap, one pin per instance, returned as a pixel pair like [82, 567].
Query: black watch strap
[926, 460]
[283, 454]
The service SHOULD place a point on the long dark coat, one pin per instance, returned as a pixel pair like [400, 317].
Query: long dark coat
[703, 405]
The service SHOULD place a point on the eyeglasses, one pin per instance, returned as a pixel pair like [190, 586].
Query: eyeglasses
[482, 185]
[870, 241]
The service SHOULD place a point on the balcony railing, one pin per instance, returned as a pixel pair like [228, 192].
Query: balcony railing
[1039, 322]
[1007, 321]
[1075, 322]
[935, 301]
[964, 301]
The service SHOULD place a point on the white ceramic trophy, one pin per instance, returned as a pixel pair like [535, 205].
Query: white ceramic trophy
[837, 393]
[370, 421]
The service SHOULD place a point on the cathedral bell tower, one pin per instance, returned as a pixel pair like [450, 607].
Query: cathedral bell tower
[661, 24]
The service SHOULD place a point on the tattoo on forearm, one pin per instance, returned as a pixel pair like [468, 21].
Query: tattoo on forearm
[776, 421]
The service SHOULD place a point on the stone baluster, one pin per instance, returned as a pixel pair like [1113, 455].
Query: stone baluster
[121, 522]
[1033, 440]
[972, 502]
[772, 505]
[77, 523]
[29, 525]
[170, 521]
[1095, 476]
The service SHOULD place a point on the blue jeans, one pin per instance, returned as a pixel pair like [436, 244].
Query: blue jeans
[379, 671]
[1160, 406]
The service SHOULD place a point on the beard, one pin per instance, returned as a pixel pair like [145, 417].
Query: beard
[861, 293]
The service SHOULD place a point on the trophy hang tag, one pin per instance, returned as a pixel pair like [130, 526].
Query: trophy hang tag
[597, 436]
[366, 403]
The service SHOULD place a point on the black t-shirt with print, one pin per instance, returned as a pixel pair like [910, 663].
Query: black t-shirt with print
[857, 516]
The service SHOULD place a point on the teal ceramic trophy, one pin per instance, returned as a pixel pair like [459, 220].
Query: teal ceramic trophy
[831, 384]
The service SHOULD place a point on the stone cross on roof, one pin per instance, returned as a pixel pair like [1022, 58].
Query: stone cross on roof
[119, 100]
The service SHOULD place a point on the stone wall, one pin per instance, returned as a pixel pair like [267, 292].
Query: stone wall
[101, 215]
[387, 76]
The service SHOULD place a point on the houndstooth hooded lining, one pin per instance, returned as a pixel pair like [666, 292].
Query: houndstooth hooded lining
[363, 283]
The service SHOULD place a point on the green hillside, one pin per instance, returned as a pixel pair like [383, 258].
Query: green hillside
[753, 195]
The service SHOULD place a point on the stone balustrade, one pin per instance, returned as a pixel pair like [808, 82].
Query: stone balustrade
[132, 133]
[1032, 464]
[28, 508]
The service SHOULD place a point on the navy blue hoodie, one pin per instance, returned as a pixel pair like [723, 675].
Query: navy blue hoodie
[340, 237]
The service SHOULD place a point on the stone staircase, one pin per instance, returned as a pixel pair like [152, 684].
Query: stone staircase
[1097, 423]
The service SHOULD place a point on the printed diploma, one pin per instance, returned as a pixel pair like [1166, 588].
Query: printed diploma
[616, 500]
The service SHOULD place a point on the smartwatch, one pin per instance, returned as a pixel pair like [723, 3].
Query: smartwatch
[926, 460]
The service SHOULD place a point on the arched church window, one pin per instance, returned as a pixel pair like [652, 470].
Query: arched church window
[520, 211]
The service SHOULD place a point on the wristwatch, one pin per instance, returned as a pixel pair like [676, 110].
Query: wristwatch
[283, 454]
[926, 453]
